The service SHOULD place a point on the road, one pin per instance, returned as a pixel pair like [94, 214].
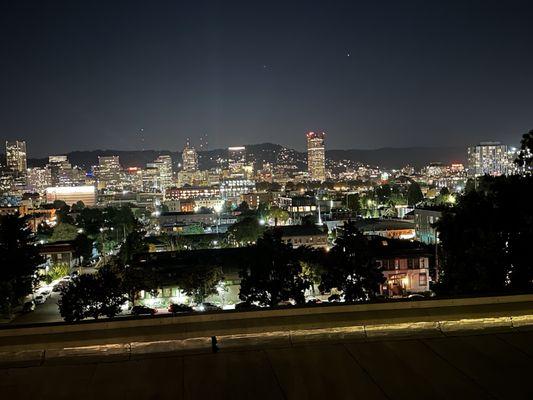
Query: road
[46, 312]
[480, 366]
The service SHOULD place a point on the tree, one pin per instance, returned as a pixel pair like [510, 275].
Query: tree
[134, 279]
[272, 273]
[277, 214]
[19, 259]
[91, 296]
[525, 155]
[132, 246]
[200, 282]
[350, 267]
[78, 206]
[64, 231]
[243, 207]
[91, 220]
[485, 248]
[63, 214]
[309, 220]
[83, 247]
[353, 202]
[414, 194]
[246, 230]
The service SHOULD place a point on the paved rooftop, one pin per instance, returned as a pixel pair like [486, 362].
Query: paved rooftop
[480, 366]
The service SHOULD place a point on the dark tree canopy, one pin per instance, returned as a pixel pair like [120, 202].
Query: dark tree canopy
[246, 230]
[414, 194]
[486, 239]
[19, 259]
[350, 267]
[92, 296]
[525, 156]
[273, 273]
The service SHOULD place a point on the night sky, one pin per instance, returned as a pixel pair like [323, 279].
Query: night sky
[78, 75]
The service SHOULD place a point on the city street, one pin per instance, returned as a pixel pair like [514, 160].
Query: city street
[43, 313]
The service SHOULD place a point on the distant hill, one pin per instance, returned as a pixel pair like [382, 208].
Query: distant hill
[389, 157]
[270, 152]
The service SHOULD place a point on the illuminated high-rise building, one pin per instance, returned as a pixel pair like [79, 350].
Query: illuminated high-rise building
[108, 173]
[490, 158]
[190, 158]
[164, 165]
[39, 179]
[16, 156]
[316, 156]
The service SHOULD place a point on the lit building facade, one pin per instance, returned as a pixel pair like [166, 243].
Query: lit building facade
[108, 173]
[189, 158]
[16, 156]
[72, 194]
[38, 179]
[490, 158]
[316, 156]
[164, 165]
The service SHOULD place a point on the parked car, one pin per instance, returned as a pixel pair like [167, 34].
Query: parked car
[208, 307]
[143, 310]
[416, 296]
[246, 306]
[179, 308]
[39, 299]
[28, 306]
[314, 301]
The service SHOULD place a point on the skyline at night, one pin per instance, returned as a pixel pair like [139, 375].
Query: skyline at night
[132, 76]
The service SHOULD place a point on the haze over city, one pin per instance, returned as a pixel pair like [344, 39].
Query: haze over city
[294, 199]
[135, 74]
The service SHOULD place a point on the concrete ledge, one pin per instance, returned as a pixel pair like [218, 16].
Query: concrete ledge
[274, 339]
[403, 329]
[307, 336]
[474, 324]
[103, 353]
[283, 338]
[24, 358]
[139, 350]
[521, 321]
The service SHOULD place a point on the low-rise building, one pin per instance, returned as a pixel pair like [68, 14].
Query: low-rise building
[388, 228]
[404, 264]
[303, 235]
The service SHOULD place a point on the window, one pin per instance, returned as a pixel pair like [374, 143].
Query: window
[409, 263]
[422, 279]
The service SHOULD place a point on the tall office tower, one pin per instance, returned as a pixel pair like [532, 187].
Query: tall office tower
[316, 156]
[39, 179]
[236, 160]
[108, 173]
[190, 158]
[490, 158]
[164, 166]
[59, 167]
[16, 156]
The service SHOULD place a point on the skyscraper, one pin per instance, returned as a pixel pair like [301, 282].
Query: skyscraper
[164, 165]
[490, 158]
[190, 158]
[108, 172]
[316, 156]
[16, 156]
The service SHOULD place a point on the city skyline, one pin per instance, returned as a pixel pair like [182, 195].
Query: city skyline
[82, 77]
